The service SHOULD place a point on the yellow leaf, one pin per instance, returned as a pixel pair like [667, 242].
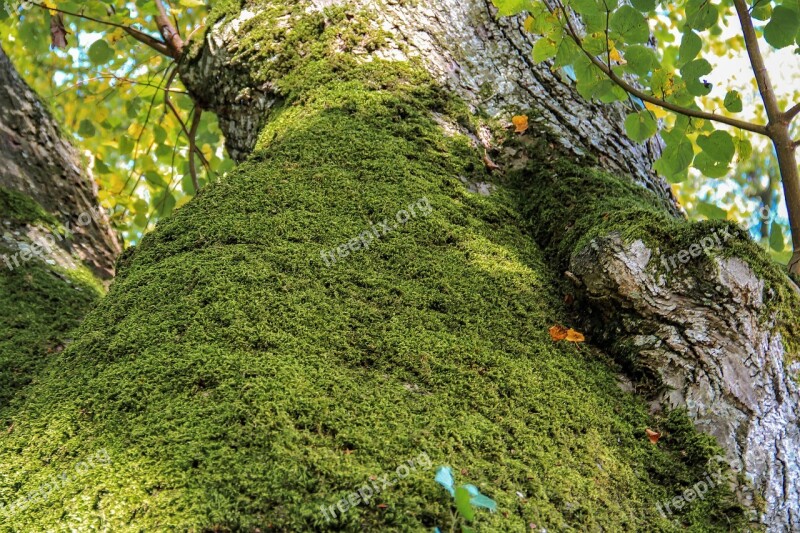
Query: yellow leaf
[614, 55]
[658, 111]
[652, 435]
[520, 123]
[574, 336]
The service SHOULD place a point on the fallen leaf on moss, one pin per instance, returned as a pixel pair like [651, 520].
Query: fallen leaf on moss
[558, 333]
[520, 123]
[652, 435]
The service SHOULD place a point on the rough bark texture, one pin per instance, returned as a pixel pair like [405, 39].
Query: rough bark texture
[40, 164]
[709, 336]
[482, 58]
[706, 338]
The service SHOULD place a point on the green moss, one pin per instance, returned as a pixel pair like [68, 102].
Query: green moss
[17, 207]
[41, 306]
[569, 205]
[237, 382]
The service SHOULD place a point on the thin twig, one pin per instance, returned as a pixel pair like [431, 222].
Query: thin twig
[193, 146]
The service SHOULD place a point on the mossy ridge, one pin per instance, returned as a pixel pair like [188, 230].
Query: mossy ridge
[19, 208]
[228, 371]
[569, 205]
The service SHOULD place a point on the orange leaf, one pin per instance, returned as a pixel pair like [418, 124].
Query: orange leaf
[520, 123]
[574, 336]
[558, 333]
[652, 435]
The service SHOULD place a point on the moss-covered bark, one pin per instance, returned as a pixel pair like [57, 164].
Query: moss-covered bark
[238, 383]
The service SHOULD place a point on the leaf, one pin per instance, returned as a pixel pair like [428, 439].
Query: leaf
[641, 59]
[614, 55]
[507, 8]
[652, 435]
[629, 25]
[444, 477]
[782, 28]
[761, 10]
[574, 336]
[709, 166]
[644, 5]
[86, 128]
[658, 111]
[463, 505]
[690, 47]
[640, 126]
[776, 240]
[711, 211]
[719, 146]
[520, 123]
[691, 72]
[100, 53]
[58, 34]
[701, 14]
[558, 333]
[545, 48]
[733, 101]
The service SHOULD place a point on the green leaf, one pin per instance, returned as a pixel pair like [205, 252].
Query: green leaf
[508, 8]
[709, 166]
[676, 158]
[629, 25]
[100, 53]
[743, 147]
[644, 5]
[776, 240]
[719, 146]
[462, 504]
[761, 10]
[690, 47]
[733, 101]
[701, 14]
[782, 28]
[641, 60]
[711, 211]
[640, 126]
[86, 129]
[691, 72]
[544, 49]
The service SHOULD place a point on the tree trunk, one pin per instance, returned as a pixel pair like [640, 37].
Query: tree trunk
[366, 294]
[41, 165]
[49, 276]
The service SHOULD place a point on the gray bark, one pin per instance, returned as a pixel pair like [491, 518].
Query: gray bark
[38, 162]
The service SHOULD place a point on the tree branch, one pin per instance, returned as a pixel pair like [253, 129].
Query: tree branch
[168, 31]
[193, 147]
[792, 112]
[694, 113]
[140, 36]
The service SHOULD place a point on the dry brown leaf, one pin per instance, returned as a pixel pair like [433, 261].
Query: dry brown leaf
[558, 333]
[652, 435]
[520, 123]
[58, 34]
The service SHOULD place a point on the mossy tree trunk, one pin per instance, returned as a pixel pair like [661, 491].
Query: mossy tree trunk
[56, 244]
[364, 291]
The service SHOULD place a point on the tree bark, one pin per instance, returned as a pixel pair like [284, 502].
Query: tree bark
[745, 397]
[40, 164]
[272, 347]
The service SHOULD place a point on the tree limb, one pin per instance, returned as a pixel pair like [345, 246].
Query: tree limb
[694, 113]
[168, 31]
[140, 36]
[193, 147]
[792, 112]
